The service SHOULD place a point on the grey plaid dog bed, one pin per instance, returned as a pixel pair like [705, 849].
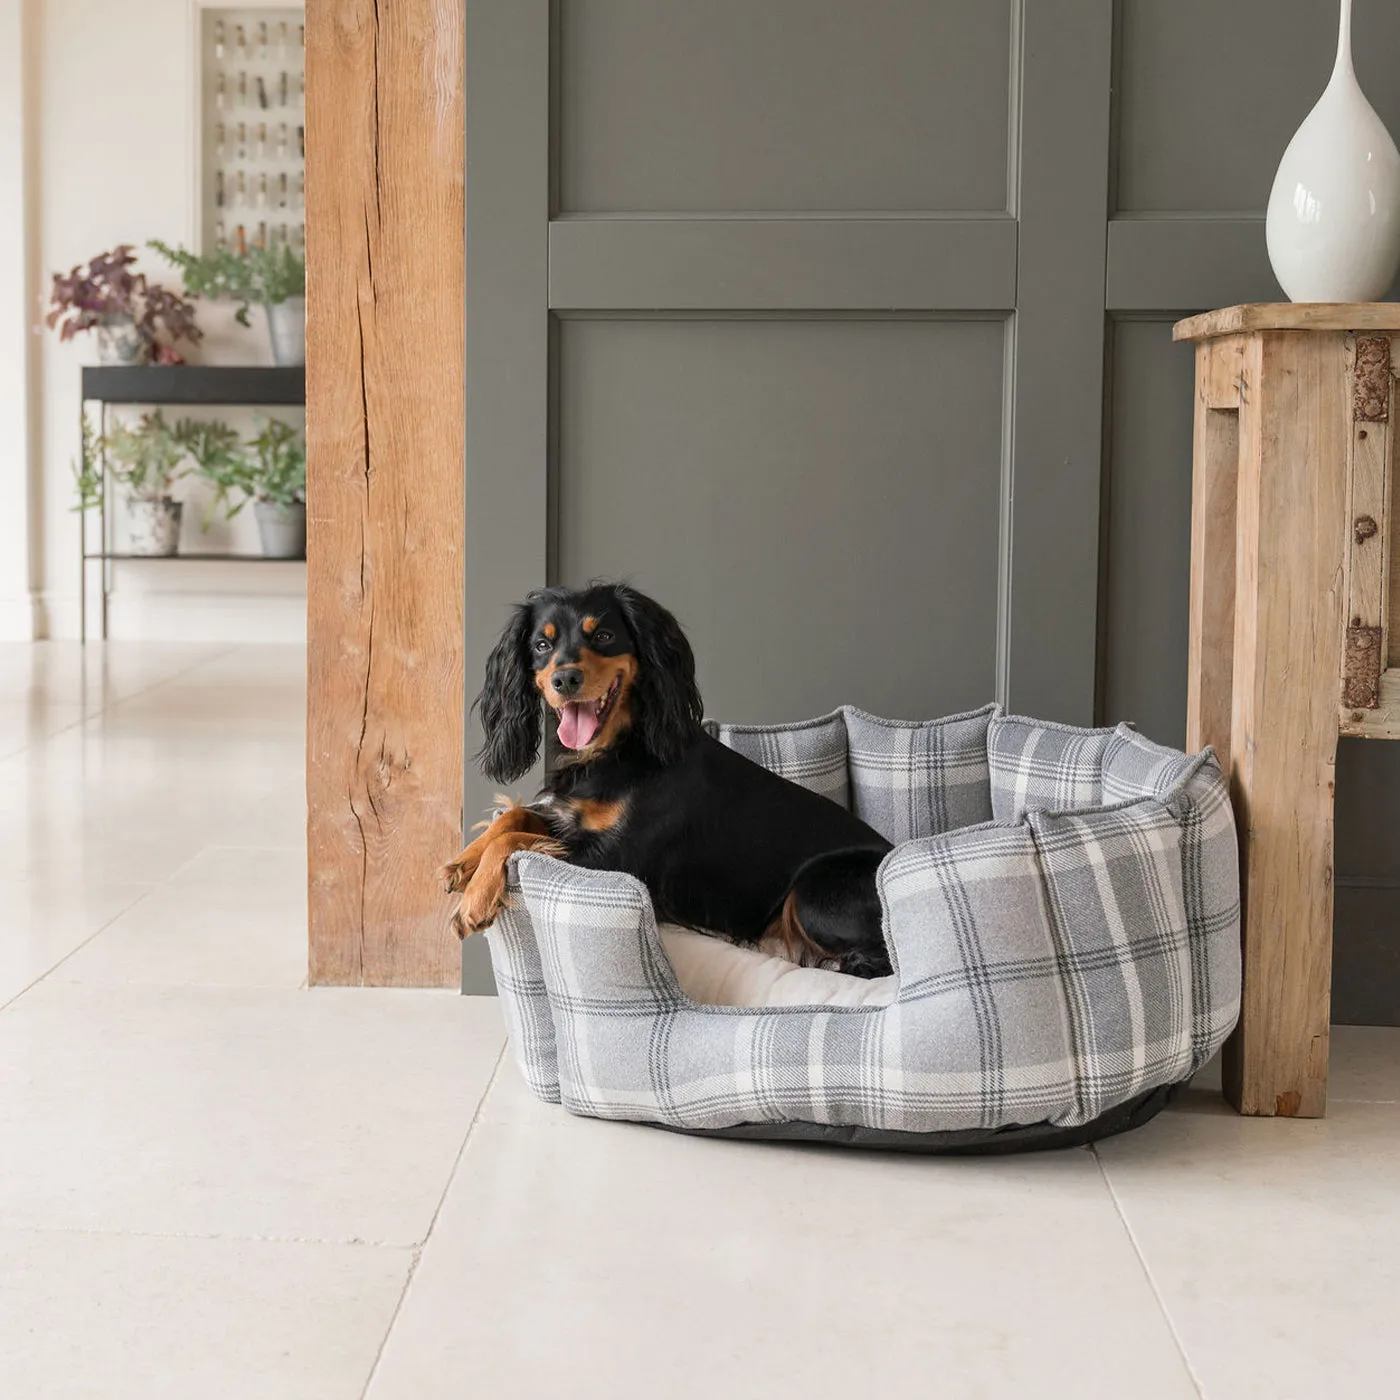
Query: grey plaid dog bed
[1062, 911]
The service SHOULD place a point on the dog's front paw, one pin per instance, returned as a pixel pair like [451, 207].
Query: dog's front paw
[483, 901]
[457, 874]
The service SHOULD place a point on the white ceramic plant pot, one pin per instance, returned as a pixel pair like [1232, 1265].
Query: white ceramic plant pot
[153, 526]
[1334, 214]
[282, 529]
[120, 343]
[286, 328]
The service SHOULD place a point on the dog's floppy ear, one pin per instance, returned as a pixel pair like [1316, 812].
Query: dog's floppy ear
[669, 708]
[510, 703]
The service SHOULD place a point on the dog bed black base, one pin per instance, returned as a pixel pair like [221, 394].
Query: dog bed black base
[969, 1142]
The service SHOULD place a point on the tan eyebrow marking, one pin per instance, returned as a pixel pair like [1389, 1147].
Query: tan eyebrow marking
[551, 631]
[589, 623]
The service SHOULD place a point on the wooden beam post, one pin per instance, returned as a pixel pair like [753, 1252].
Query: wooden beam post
[384, 419]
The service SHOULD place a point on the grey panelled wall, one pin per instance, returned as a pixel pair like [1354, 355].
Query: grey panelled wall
[782, 106]
[845, 329]
[1207, 94]
[790, 510]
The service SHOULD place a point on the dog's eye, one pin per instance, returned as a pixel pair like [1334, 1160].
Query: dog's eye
[602, 635]
[543, 646]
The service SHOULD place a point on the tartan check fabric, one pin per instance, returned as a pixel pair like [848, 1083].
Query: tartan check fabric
[911, 780]
[1052, 964]
[905, 778]
[811, 754]
[1038, 766]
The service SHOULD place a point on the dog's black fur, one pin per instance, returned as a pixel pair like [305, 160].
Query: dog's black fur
[721, 843]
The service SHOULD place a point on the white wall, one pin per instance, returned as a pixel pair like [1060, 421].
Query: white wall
[16, 493]
[112, 104]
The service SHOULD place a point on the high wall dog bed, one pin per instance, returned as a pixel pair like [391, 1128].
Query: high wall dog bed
[1062, 910]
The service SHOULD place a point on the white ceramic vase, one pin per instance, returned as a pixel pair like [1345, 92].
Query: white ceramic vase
[1334, 213]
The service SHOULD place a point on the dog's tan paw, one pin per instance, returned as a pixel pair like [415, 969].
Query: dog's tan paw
[486, 896]
[457, 874]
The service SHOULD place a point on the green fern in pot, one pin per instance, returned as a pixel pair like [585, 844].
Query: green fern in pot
[277, 483]
[146, 459]
[273, 278]
[218, 456]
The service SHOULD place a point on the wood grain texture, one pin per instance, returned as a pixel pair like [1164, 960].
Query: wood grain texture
[1291, 316]
[1214, 485]
[1220, 376]
[1393, 545]
[1384, 721]
[1370, 378]
[1367, 556]
[384, 395]
[1295, 422]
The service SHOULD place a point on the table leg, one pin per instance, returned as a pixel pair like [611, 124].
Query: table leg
[106, 563]
[1214, 486]
[82, 542]
[1294, 431]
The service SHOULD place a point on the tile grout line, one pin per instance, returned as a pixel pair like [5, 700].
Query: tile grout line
[96, 933]
[83, 722]
[1196, 1383]
[174, 877]
[432, 1224]
[85, 718]
[354, 1242]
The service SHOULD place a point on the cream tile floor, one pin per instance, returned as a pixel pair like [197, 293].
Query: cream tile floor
[215, 1182]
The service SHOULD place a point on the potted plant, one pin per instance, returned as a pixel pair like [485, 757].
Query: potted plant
[217, 454]
[276, 480]
[87, 470]
[274, 278]
[147, 459]
[135, 320]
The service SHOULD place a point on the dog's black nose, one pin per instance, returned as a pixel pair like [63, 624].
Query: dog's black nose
[567, 680]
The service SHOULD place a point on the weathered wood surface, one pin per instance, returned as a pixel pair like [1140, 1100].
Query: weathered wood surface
[385, 509]
[1295, 426]
[1370, 699]
[1368, 474]
[1291, 316]
[1214, 487]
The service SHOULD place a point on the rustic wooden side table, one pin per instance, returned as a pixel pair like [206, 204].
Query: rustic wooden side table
[1295, 557]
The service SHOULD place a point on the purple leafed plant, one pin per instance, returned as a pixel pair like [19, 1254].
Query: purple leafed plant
[107, 287]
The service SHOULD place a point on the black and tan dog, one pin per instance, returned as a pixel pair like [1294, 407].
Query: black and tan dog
[721, 844]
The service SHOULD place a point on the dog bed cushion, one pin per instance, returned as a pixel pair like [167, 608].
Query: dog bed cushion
[713, 972]
[1062, 911]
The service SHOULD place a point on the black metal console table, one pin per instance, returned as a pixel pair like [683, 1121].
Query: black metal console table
[208, 385]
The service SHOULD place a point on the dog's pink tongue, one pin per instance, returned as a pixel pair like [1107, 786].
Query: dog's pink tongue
[578, 723]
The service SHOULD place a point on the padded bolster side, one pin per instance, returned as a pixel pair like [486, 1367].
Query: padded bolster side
[1195, 789]
[1040, 767]
[515, 960]
[1113, 881]
[596, 936]
[1136, 767]
[979, 989]
[1211, 886]
[954, 903]
[610, 984]
[919, 779]
[811, 753]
